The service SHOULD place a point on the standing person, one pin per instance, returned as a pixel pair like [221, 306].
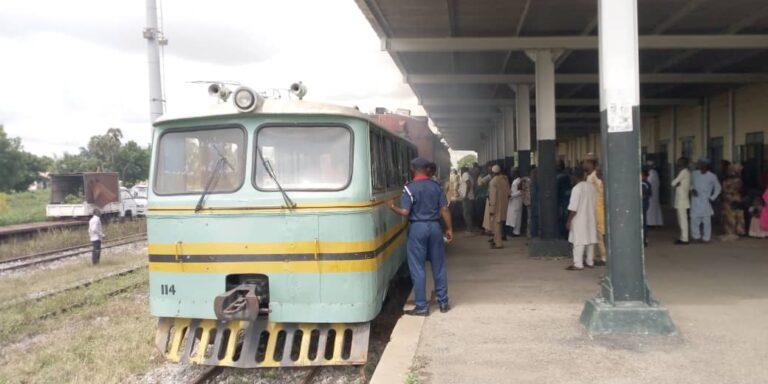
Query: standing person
[485, 181]
[682, 185]
[467, 196]
[594, 179]
[534, 209]
[515, 206]
[764, 212]
[704, 190]
[647, 195]
[732, 204]
[525, 188]
[481, 198]
[582, 222]
[424, 203]
[563, 182]
[755, 211]
[498, 198]
[655, 218]
[453, 185]
[96, 235]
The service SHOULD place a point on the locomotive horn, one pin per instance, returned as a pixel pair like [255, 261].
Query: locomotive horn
[299, 89]
[219, 90]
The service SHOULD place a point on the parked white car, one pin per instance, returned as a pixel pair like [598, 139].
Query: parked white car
[132, 205]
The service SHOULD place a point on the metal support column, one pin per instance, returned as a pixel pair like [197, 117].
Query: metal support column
[523, 114]
[501, 135]
[625, 305]
[508, 115]
[550, 241]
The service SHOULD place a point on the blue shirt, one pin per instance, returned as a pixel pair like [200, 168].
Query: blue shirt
[423, 200]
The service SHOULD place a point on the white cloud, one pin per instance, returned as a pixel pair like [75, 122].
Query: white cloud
[72, 69]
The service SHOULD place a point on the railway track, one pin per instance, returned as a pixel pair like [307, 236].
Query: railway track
[209, 373]
[42, 295]
[63, 253]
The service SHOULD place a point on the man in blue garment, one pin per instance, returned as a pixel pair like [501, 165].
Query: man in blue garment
[424, 203]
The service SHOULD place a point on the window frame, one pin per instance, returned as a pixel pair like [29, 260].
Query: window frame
[194, 129]
[256, 158]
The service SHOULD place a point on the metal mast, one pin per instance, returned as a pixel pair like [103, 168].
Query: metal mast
[155, 39]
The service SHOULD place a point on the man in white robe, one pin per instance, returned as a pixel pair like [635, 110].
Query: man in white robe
[705, 188]
[582, 222]
[682, 185]
[655, 218]
[515, 206]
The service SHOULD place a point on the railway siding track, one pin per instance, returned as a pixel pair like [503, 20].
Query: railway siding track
[64, 253]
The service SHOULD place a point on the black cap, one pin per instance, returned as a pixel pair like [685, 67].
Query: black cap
[420, 163]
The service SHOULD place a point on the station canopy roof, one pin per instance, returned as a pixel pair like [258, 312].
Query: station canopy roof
[460, 56]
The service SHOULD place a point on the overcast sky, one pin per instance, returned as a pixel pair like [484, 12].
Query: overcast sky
[71, 69]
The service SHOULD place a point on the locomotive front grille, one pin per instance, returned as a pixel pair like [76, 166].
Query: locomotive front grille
[261, 343]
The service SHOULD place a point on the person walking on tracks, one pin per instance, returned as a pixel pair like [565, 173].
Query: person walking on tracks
[424, 203]
[96, 234]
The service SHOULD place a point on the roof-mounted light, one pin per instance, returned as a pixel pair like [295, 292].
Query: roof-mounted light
[246, 100]
[299, 90]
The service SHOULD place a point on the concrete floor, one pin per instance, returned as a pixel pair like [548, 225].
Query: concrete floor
[515, 318]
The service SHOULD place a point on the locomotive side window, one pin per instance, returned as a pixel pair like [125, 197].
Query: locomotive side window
[303, 158]
[188, 160]
[377, 168]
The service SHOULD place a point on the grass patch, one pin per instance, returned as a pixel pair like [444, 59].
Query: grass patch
[66, 237]
[24, 207]
[106, 342]
[19, 285]
[23, 320]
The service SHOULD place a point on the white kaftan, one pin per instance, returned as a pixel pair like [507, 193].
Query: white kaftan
[515, 206]
[654, 208]
[584, 224]
[708, 189]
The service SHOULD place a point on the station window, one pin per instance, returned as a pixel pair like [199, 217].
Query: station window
[317, 158]
[188, 160]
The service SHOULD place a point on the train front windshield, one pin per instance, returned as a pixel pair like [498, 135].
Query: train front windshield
[303, 158]
[187, 160]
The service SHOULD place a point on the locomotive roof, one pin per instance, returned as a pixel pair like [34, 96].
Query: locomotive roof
[270, 107]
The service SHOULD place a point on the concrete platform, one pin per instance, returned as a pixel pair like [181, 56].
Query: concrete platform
[515, 319]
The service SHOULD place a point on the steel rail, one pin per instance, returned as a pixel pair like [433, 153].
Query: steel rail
[68, 252]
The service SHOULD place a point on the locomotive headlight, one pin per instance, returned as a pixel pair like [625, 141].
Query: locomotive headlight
[246, 100]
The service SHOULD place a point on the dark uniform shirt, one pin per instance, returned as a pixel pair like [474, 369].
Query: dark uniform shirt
[423, 200]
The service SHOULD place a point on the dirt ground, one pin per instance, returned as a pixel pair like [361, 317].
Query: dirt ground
[515, 318]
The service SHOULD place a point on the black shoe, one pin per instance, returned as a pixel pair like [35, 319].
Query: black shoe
[417, 312]
[589, 266]
[445, 308]
[599, 263]
[680, 242]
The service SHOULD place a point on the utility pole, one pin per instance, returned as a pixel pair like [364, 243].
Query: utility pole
[155, 40]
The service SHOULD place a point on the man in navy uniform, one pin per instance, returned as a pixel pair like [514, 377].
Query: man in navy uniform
[424, 203]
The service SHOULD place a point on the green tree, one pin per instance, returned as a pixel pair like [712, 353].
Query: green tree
[103, 149]
[132, 163]
[467, 161]
[18, 169]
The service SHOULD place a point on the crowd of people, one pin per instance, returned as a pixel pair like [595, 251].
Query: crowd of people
[502, 203]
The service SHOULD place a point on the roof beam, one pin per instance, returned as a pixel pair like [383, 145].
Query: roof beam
[674, 78]
[470, 102]
[463, 116]
[475, 44]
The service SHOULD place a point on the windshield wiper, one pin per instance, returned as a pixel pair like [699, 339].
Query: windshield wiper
[214, 178]
[271, 172]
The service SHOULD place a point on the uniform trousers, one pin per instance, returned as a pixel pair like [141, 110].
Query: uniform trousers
[701, 221]
[578, 255]
[682, 222]
[425, 242]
